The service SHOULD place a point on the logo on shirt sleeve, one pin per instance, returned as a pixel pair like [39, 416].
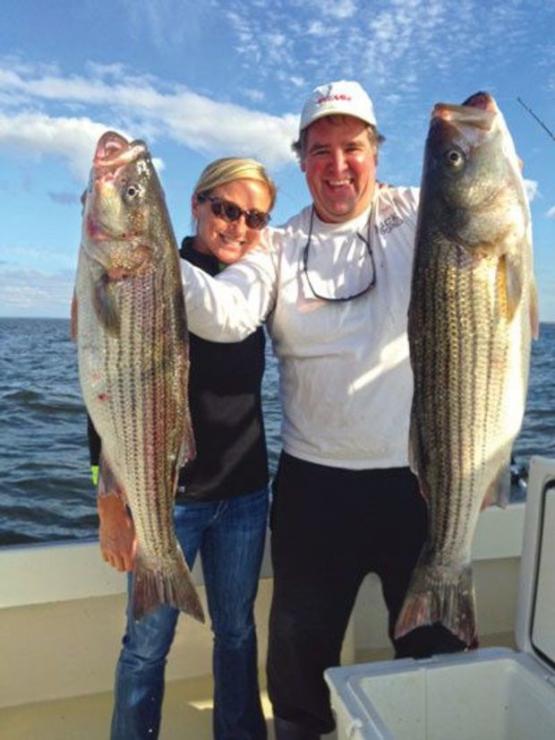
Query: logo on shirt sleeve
[388, 223]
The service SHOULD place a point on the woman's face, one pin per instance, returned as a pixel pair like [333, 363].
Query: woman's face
[228, 240]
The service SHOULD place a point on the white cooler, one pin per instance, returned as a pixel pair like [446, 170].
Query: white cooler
[486, 694]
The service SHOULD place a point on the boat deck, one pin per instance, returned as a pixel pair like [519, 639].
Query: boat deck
[187, 709]
[187, 715]
[62, 615]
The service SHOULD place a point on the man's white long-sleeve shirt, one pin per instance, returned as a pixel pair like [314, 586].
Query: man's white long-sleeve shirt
[345, 377]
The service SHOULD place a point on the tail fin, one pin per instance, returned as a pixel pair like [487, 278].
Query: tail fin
[440, 594]
[164, 583]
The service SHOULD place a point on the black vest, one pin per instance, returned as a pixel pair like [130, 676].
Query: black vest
[226, 410]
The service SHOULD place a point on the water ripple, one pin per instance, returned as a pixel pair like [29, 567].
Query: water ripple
[45, 490]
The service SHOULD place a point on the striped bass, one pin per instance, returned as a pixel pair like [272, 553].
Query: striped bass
[133, 360]
[471, 317]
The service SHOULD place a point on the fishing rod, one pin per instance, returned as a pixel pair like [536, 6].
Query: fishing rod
[531, 112]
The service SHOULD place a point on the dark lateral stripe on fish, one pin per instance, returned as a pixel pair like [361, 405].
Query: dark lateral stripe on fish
[127, 396]
[474, 307]
[467, 383]
[157, 417]
[170, 407]
[148, 313]
[434, 363]
[448, 346]
[137, 390]
[157, 452]
[443, 341]
[425, 368]
[501, 296]
[443, 420]
[460, 298]
[164, 416]
[462, 428]
[173, 409]
[157, 420]
[113, 398]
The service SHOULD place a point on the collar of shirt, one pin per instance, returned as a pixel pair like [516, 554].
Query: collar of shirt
[206, 262]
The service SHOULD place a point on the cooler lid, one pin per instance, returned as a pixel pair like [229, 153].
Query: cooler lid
[536, 608]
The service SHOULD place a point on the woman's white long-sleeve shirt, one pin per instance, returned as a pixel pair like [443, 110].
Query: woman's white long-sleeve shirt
[345, 377]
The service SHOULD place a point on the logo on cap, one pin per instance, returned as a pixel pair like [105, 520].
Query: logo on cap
[329, 98]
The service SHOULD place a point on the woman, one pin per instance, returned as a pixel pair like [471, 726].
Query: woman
[222, 499]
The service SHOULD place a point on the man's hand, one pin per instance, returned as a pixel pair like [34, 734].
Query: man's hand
[118, 543]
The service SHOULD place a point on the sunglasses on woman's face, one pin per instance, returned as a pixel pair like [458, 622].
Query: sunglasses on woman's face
[232, 212]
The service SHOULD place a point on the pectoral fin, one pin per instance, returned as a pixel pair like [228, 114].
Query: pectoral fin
[509, 281]
[413, 446]
[74, 317]
[108, 482]
[415, 454]
[534, 310]
[105, 305]
[499, 490]
[187, 446]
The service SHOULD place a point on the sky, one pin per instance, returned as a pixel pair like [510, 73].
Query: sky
[199, 80]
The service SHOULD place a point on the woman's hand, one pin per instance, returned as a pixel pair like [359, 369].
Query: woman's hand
[118, 543]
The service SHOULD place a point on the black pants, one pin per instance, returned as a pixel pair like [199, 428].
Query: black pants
[330, 527]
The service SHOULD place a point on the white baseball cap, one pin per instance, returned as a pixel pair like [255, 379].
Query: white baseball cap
[344, 97]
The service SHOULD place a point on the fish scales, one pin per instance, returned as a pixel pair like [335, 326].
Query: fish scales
[132, 429]
[457, 424]
[133, 360]
[471, 315]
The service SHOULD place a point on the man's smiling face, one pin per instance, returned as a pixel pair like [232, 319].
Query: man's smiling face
[339, 162]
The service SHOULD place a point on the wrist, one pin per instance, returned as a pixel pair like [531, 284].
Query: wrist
[110, 502]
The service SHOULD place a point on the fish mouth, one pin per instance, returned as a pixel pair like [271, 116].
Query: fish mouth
[113, 154]
[113, 150]
[100, 232]
[96, 231]
[479, 110]
[481, 100]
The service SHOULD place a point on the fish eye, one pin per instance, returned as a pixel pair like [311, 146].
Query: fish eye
[131, 191]
[454, 158]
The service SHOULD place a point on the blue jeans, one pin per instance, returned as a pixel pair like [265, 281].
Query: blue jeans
[230, 537]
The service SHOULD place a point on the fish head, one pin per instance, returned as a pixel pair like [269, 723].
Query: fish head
[472, 177]
[118, 206]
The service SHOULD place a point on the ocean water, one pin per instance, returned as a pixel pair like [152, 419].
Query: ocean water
[45, 489]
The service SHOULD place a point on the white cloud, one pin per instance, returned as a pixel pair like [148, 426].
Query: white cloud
[297, 81]
[317, 28]
[531, 188]
[340, 9]
[396, 46]
[37, 134]
[44, 259]
[203, 124]
[35, 293]
[163, 22]
[551, 212]
[257, 96]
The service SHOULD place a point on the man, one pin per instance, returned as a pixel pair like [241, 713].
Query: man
[334, 286]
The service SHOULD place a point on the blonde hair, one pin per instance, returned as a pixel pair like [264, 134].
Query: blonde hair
[227, 169]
